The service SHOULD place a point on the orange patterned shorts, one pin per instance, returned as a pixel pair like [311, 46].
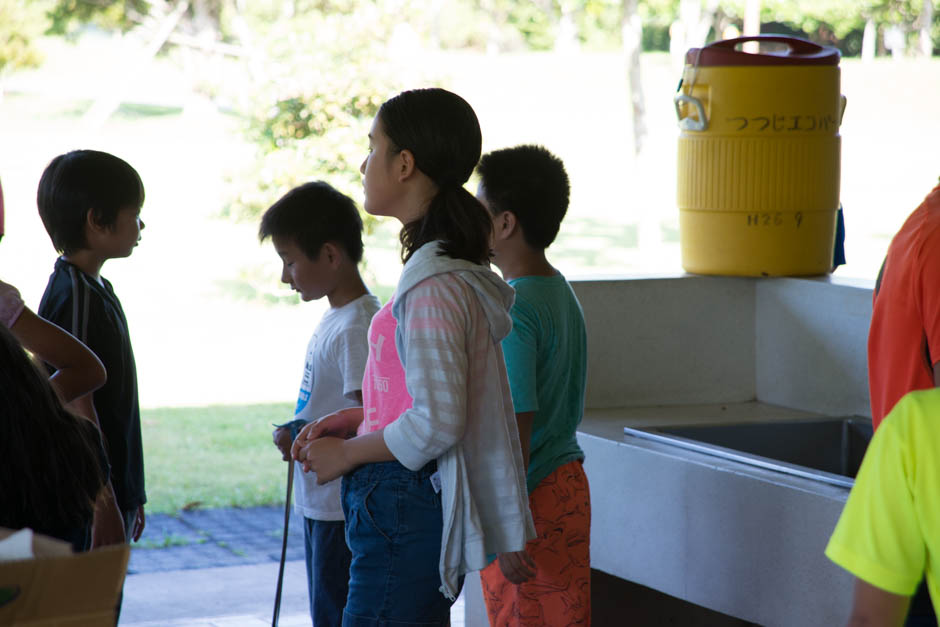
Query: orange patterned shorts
[560, 592]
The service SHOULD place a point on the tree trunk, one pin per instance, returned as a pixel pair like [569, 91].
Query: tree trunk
[632, 30]
[869, 40]
[926, 20]
[493, 37]
[566, 39]
[895, 40]
[108, 102]
[438, 7]
[697, 21]
[752, 24]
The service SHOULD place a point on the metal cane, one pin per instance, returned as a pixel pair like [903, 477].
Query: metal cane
[280, 572]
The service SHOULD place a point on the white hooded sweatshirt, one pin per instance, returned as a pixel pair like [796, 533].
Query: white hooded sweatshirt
[452, 315]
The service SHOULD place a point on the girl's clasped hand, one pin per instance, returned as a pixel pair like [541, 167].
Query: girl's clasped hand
[424, 457]
[319, 445]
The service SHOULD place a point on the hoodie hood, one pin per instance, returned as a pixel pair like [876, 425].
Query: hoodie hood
[495, 295]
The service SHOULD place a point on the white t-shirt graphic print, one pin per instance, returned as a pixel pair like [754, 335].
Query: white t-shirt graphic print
[336, 358]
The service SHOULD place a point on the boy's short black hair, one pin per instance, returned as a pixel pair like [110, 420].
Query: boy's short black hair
[81, 181]
[530, 182]
[313, 214]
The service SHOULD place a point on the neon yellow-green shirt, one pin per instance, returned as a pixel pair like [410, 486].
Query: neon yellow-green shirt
[889, 532]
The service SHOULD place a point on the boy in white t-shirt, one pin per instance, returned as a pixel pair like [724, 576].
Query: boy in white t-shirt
[317, 232]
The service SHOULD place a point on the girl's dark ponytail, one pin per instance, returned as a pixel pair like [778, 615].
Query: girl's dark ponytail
[443, 133]
[458, 220]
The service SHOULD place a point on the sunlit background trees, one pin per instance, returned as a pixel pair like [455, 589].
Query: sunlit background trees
[223, 105]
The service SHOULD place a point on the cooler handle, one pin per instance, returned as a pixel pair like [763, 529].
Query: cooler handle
[690, 123]
[796, 45]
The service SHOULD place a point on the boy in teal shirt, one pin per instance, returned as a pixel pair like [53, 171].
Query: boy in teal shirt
[526, 189]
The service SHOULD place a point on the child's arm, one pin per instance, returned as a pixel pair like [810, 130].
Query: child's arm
[328, 458]
[517, 567]
[282, 441]
[137, 529]
[284, 436]
[108, 525]
[341, 424]
[435, 333]
[334, 428]
[524, 421]
[84, 406]
[874, 606]
[436, 318]
[78, 370]
[333, 457]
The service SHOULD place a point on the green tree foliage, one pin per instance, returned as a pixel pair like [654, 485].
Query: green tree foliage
[894, 11]
[67, 15]
[314, 90]
[20, 24]
[310, 79]
[513, 25]
[840, 17]
[833, 21]
[536, 22]
[658, 16]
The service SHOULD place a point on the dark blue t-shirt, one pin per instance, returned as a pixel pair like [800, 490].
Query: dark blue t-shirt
[90, 311]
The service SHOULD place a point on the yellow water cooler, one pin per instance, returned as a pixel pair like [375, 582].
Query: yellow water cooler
[759, 157]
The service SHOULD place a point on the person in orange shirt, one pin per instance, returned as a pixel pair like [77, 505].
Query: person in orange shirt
[904, 338]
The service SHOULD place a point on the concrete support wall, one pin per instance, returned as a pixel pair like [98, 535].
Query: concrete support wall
[669, 341]
[812, 338]
[797, 343]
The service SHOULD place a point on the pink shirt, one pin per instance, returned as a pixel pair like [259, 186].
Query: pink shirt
[384, 394]
[11, 305]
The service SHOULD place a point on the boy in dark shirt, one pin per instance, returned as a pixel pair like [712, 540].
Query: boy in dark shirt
[90, 202]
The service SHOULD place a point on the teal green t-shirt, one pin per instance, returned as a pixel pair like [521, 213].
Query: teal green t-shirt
[546, 360]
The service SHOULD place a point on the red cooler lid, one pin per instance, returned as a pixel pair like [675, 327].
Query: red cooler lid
[798, 52]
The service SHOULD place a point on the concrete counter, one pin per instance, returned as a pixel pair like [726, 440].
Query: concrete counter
[736, 539]
[609, 422]
[692, 340]
[689, 349]
[743, 541]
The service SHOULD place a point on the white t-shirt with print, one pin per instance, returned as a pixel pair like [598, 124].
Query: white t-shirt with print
[336, 359]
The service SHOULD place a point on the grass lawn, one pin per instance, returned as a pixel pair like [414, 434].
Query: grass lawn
[215, 456]
[191, 289]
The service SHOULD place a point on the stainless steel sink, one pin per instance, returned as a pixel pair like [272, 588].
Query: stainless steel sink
[828, 450]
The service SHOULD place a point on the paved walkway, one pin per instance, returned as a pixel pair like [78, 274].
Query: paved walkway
[218, 568]
[214, 538]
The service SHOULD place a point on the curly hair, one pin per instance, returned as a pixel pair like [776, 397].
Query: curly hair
[530, 182]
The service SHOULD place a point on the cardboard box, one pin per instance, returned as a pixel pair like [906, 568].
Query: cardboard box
[62, 588]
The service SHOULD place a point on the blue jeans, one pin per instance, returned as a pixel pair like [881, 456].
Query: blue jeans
[327, 558]
[394, 523]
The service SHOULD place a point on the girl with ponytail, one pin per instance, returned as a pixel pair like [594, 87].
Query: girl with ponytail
[433, 477]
